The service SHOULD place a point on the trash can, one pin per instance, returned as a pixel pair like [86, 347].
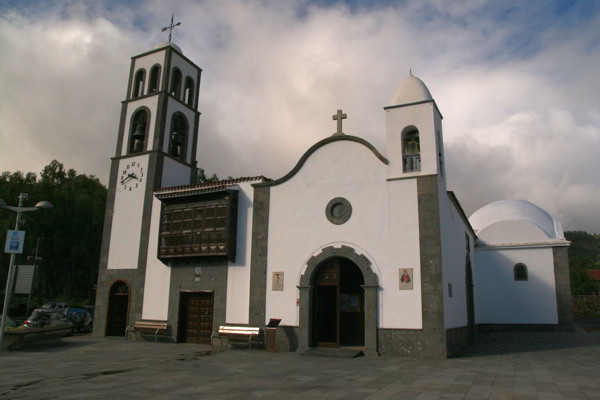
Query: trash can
[272, 334]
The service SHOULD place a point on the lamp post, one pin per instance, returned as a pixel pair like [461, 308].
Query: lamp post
[11, 269]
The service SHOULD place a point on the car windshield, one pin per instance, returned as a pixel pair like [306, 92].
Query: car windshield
[49, 305]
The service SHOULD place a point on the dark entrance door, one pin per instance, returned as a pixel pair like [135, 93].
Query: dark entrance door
[118, 307]
[195, 317]
[338, 311]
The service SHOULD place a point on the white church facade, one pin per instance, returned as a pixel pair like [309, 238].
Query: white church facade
[354, 247]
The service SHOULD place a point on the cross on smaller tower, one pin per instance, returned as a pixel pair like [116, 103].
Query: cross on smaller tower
[339, 117]
[171, 26]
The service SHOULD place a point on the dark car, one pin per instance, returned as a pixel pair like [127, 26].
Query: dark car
[81, 318]
[41, 319]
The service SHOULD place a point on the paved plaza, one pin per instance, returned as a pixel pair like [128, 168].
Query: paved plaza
[518, 366]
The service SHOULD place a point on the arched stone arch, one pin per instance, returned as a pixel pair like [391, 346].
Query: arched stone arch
[370, 287]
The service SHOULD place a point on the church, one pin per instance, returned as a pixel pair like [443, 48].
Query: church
[354, 247]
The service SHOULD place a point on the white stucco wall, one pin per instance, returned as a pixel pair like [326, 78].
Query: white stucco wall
[238, 273]
[427, 120]
[127, 220]
[149, 102]
[158, 275]
[512, 232]
[502, 300]
[383, 227]
[454, 251]
[146, 63]
[175, 173]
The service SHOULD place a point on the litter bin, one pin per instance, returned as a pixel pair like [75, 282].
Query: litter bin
[272, 334]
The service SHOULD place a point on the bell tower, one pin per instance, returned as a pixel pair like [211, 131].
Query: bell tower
[156, 147]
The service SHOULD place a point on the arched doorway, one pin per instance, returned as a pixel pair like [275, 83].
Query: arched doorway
[338, 304]
[306, 289]
[118, 308]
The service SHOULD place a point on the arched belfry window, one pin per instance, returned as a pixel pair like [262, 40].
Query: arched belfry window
[176, 83]
[154, 79]
[520, 272]
[411, 150]
[189, 91]
[178, 136]
[138, 86]
[137, 134]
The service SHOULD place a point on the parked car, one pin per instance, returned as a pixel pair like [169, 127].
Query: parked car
[9, 323]
[81, 318]
[55, 306]
[41, 319]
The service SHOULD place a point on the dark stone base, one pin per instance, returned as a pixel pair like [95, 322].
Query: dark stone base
[525, 328]
[411, 343]
[286, 338]
[456, 340]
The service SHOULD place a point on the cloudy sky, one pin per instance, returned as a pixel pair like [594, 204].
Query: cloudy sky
[517, 82]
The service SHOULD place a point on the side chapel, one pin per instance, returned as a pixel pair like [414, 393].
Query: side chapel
[354, 246]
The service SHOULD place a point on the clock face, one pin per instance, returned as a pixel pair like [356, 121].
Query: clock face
[132, 176]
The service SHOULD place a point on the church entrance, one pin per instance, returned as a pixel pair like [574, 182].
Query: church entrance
[118, 308]
[195, 317]
[338, 315]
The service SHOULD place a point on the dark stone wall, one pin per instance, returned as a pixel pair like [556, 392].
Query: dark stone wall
[258, 260]
[213, 278]
[433, 337]
[562, 278]
[287, 338]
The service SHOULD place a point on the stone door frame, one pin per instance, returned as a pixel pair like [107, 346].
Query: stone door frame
[370, 292]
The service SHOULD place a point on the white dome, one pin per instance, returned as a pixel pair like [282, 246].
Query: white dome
[165, 44]
[411, 90]
[516, 210]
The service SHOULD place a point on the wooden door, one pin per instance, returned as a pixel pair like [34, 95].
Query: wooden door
[196, 317]
[118, 308]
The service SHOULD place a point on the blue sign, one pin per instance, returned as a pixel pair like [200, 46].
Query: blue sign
[14, 242]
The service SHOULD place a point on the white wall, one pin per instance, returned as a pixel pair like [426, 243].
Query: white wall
[127, 220]
[502, 300]
[454, 251]
[175, 173]
[383, 227]
[512, 232]
[238, 273]
[150, 102]
[146, 63]
[158, 275]
[427, 120]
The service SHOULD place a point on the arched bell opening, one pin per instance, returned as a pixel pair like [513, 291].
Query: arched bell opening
[118, 309]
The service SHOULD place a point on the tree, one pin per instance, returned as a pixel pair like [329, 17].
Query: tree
[70, 234]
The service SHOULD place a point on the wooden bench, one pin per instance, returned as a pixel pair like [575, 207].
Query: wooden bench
[246, 333]
[147, 326]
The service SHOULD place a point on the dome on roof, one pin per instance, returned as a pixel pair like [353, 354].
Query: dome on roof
[516, 210]
[165, 44]
[411, 90]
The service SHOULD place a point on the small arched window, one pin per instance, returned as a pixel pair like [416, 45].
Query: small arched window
[138, 87]
[520, 272]
[189, 91]
[137, 134]
[411, 150]
[154, 79]
[176, 83]
[178, 136]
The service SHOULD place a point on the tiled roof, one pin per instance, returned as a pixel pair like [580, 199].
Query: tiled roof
[207, 187]
[593, 274]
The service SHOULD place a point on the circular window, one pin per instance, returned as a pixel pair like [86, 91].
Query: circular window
[338, 210]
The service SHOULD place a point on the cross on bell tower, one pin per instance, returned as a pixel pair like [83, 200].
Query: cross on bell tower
[171, 26]
[339, 116]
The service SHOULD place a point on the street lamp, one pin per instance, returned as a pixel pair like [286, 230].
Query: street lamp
[11, 269]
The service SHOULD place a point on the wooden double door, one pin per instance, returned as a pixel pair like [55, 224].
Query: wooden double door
[195, 317]
[338, 305]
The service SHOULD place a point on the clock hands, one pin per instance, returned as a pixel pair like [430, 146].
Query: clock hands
[129, 176]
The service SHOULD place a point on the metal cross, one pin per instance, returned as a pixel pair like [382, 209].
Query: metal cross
[170, 27]
[339, 117]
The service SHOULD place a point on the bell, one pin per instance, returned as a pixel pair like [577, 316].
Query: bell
[177, 138]
[139, 133]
